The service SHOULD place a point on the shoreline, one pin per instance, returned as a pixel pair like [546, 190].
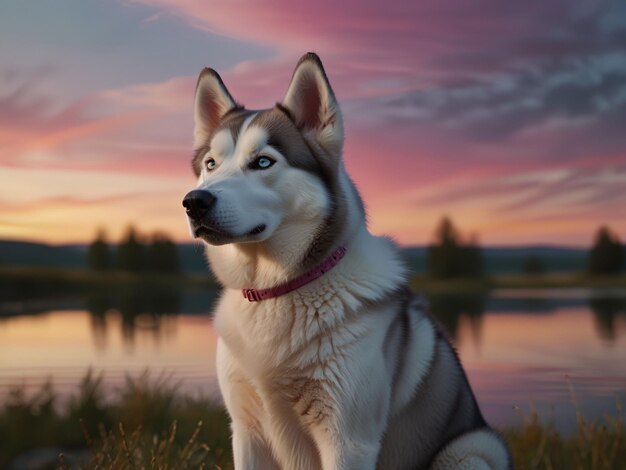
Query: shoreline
[89, 278]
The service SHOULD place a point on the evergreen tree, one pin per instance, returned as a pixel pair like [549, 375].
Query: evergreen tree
[441, 257]
[130, 253]
[98, 253]
[449, 257]
[607, 254]
[470, 263]
[162, 254]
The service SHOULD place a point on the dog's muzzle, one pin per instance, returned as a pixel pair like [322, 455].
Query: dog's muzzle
[197, 203]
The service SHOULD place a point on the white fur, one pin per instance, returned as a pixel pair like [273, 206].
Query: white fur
[309, 378]
[473, 451]
[212, 101]
[322, 333]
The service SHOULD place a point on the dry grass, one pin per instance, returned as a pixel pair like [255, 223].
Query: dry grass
[595, 445]
[146, 425]
[137, 450]
[151, 427]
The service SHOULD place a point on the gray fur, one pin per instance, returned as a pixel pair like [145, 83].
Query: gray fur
[443, 405]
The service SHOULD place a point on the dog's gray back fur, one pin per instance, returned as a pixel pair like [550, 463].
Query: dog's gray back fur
[443, 404]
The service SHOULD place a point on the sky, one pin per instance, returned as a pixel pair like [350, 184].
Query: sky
[508, 117]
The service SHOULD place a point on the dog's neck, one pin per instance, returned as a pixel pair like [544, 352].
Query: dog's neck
[268, 264]
[258, 295]
[371, 266]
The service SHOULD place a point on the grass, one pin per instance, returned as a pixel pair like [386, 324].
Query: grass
[149, 426]
[139, 450]
[595, 445]
[146, 424]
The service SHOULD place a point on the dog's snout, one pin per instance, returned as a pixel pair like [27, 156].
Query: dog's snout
[197, 203]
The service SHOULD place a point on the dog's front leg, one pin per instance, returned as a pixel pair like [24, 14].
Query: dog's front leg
[340, 449]
[250, 451]
[347, 425]
[347, 413]
[250, 448]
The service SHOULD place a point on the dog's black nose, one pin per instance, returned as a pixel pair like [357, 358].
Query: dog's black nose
[197, 203]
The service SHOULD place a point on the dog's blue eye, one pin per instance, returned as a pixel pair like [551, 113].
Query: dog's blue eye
[210, 164]
[262, 163]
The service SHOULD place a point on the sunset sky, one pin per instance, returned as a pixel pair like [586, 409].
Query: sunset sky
[510, 117]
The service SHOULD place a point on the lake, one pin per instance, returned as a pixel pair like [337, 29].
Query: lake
[522, 349]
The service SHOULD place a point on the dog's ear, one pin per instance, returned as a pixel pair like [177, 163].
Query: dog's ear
[312, 104]
[212, 102]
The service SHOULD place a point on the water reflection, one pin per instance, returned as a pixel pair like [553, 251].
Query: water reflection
[147, 309]
[606, 311]
[153, 311]
[516, 346]
[449, 309]
[452, 309]
[127, 309]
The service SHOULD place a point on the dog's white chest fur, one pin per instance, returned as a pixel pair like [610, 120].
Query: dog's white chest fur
[304, 331]
[291, 362]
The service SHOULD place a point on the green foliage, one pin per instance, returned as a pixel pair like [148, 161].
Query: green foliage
[442, 257]
[159, 255]
[89, 406]
[162, 255]
[130, 252]
[606, 256]
[98, 253]
[27, 422]
[175, 430]
[449, 257]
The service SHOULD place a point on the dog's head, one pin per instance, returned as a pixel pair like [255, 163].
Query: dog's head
[262, 171]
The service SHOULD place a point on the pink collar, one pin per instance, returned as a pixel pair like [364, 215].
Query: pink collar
[256, 295]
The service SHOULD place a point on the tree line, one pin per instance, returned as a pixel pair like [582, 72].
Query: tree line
[135, 253]
[451, 256]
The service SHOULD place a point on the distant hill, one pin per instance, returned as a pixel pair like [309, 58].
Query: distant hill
[19, 253]
[38, 254]
[498, 260]
[508, 260]
[555, 259]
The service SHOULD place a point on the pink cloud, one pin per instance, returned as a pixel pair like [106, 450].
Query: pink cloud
[420, 84]
[115, 129]
[395, 38]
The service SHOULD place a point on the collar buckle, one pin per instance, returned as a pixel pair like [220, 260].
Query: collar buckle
[251, 294]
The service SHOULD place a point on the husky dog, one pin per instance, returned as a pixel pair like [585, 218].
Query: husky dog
[325, 359]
